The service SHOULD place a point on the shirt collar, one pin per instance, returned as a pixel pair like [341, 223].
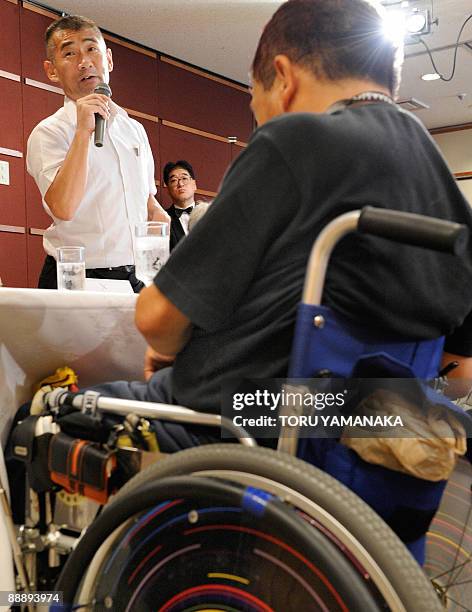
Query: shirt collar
[71, 110]
[184, 207]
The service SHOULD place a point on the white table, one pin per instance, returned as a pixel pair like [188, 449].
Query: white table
[41, 330]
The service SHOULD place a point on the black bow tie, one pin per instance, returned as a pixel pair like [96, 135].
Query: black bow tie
[180, 211]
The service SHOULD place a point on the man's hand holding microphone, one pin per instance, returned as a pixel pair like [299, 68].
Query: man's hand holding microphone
[93, 111]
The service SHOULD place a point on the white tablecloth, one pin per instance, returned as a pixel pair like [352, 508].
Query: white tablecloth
[41, 329]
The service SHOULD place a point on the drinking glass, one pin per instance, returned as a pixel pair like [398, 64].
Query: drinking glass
[152, 249]
[71, 268]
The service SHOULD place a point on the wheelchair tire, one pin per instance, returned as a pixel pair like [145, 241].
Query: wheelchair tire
[233, 462]
[187, 541]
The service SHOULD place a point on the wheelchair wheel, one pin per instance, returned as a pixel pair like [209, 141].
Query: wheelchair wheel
[193, 543]
[449, 542]
[370, 544]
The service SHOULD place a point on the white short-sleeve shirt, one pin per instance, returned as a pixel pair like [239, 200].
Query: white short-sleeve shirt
[119, 181]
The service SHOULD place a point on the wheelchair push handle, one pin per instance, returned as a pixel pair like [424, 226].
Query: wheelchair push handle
[413, 229]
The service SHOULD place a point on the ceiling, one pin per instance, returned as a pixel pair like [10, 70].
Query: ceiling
[221, 36]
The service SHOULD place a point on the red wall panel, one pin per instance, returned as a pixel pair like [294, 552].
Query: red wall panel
[33, 52]
[164, 198]
[12, 196]
[209, 158]
[13, 259]
[198, 102]
[36, 256]
[10, 38]
[11, 130]
[235, 151]
[134, 79]
[37, 105]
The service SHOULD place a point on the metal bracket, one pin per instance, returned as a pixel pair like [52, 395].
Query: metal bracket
[89, 402]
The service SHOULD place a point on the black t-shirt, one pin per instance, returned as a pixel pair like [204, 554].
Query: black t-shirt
[239, 275]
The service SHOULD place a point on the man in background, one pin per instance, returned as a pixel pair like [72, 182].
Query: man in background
[94, 195]
[179, 178]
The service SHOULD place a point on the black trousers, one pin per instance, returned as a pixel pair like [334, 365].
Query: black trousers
[48, 276]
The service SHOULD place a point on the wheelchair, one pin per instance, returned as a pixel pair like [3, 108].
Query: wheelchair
[240, 527]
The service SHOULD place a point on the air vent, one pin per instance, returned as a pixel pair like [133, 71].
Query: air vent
[412, 104]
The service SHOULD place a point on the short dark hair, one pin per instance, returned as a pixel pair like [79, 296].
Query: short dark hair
[181, 163]
[334, 39]
[69, 22]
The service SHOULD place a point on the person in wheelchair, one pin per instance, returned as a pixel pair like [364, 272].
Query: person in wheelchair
[330, 139]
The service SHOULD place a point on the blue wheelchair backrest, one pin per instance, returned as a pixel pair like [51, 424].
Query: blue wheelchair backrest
[335, 344]
[326, 344]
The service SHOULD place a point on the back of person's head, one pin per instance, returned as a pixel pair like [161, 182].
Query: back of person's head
[334, 39]
[74, 23]
[181, 163]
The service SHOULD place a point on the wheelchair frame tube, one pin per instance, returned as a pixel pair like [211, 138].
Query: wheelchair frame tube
[18, 556]
[437, 234]
[315, 276]
[321, 252]
[169, 412]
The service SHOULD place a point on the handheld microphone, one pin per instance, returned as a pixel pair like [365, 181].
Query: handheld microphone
[100, 122]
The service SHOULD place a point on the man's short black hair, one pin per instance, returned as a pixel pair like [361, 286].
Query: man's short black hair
[334, 39]
[181, 163]
[69, 22]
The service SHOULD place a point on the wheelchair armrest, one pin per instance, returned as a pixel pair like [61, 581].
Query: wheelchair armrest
[151, 410]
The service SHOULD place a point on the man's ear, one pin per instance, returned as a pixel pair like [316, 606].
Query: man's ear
[50, 71]
[287, 81]
[109, 59]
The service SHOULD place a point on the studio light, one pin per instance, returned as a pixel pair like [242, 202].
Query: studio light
[394, 26]
[418, 22]
[406, 24]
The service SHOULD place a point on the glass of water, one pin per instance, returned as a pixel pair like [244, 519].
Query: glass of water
[71, 268]
[152, 249]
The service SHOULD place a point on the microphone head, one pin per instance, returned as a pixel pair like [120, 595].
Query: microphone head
[104, 89]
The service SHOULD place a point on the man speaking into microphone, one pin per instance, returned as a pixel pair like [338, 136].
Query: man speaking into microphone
[92, 163]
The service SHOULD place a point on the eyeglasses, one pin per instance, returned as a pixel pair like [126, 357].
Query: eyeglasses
[175, 180]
